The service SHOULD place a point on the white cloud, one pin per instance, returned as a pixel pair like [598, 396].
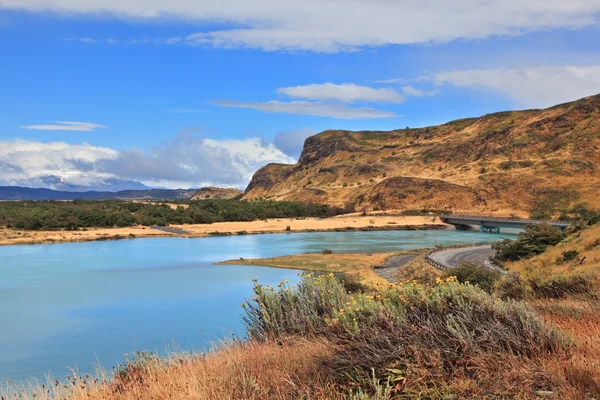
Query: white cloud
[187, 161]
[346, 93]
[318, 108]
[538, 86]
[82, 39]
[66, 126]
[423, 78]
[338, 25]
[413, 91]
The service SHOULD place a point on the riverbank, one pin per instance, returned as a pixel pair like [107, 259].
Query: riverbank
[368, 269]
[278, 225]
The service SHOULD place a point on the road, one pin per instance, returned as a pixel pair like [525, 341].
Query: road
[453, 257]
[391, 266]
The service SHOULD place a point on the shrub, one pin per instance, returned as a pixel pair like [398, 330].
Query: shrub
[569, 255]
[534, 240]
[475, 274]
[510, 286]
[288, 228]
[327, 251]
[404, 326]
[562, 285]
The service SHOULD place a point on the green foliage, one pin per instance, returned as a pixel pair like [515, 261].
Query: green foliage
[77, 214]
[327, 251]
[402, 326]
[475, 274]
[569, 255]
[534, 240]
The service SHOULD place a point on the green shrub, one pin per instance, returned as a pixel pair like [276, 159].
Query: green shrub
[404, 325]
[475, 274]
[534, 240]
[569, 255]
[327, 251]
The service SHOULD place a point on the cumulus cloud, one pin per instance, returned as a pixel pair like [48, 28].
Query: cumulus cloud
[413, 91]
[337, 25]
[318, 108]
[187, 161]
[346, 93]
[538, 86]
[292, 142]
[66, 126]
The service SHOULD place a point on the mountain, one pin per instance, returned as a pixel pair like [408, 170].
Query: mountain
[508, 162]
[23, 193]
[212, 192]
[55, 182]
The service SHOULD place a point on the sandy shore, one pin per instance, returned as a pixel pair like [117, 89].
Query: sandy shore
[378, 222]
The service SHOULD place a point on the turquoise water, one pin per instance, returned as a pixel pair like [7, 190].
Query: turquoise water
[77, 304]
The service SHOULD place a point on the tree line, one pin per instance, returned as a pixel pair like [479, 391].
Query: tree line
[76, 214]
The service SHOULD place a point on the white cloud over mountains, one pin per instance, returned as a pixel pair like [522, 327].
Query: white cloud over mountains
[528, 86]
[66, 126]
[346, 93]
[538, 86]
[317, 108]
[336, 25]
[187, 161]
[326, 100]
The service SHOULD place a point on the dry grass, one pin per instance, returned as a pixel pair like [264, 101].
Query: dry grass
[313, 224]
[358, 266]
[11, 236]
[238, 371]
[586, 243]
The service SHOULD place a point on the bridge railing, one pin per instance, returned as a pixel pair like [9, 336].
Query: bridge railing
[436, 264]
[504, 220]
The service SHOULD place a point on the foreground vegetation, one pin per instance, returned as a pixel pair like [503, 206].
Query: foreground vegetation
[468, 333]
[51, 215]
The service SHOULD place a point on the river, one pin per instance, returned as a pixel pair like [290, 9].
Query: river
[82, 304]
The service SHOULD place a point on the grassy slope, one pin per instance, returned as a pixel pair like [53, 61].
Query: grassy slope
[511, 162]
[579, 315]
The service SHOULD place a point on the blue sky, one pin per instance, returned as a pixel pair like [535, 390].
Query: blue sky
[107, 94]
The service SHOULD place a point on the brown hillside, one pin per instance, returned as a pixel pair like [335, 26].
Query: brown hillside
[212, 192]
[508, 162]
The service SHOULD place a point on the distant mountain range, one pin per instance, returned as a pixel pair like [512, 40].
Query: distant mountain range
[23, 193]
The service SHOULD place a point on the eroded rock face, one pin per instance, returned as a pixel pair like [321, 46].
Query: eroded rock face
[514, 161]
[269, 175]
[321, 146]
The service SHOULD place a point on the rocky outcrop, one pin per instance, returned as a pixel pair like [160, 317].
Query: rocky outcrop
[212, 192]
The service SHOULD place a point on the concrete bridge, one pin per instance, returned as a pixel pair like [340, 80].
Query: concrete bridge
[494, 224]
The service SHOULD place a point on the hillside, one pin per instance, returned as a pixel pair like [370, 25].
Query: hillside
[518, 162]
[212, 192]
[23, 193]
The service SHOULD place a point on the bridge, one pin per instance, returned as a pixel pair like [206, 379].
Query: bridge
[494, 224]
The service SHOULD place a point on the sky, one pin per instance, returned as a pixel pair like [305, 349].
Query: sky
[120, 94]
